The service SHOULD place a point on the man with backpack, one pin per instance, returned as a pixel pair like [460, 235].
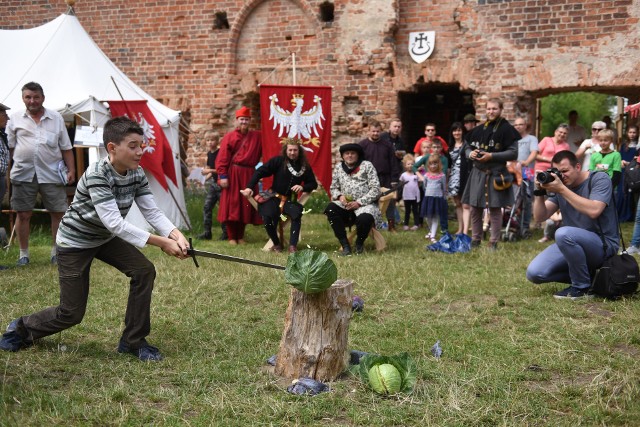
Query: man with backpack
[589, 234]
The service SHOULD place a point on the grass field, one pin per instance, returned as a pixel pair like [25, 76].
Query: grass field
[513, 355]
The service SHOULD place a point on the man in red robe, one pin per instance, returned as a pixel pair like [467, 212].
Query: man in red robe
[240, 152]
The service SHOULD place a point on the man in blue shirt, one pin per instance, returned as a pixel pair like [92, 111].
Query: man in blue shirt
[589, 234]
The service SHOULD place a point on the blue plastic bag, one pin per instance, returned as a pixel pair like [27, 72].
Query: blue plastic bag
[444, 244]
[462, 243]
[308, 386]
[451, 245]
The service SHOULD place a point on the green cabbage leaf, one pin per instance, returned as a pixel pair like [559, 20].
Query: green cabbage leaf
[310, 271]
[402, 362]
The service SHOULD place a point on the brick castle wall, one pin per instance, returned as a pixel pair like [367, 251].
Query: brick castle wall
[518, 50]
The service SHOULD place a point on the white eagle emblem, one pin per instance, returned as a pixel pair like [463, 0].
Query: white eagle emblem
[298, 124]
[149, 135]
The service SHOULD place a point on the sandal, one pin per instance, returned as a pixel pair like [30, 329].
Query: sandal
[433, 240]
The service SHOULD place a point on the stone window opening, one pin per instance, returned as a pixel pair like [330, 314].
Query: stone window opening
[327, 11]
[220, 21]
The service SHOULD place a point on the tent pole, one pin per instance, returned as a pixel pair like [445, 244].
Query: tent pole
[185, 219]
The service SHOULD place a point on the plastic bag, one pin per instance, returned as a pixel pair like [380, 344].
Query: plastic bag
[450, 244]
[462, 243]
[357, 304]
[444, 244]
[309, 386]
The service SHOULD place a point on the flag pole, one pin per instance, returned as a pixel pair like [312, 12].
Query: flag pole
[182, 214]
[293, 65]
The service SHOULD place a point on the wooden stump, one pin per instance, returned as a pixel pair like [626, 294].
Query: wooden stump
[316, 329]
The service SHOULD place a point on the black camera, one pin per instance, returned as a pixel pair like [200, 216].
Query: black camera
[549, 175]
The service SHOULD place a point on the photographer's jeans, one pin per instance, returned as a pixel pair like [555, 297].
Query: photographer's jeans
[571, 259]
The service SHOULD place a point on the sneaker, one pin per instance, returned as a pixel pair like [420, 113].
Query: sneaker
[405, 228]
[633, 250]
[205, 236]
[293, 249]
[493, 246]
[277, 249]
[3, 267]
[12, 340]
[475, 243]
[23, 261]
[54, 260]
[359, 249]
[414, 228]
[146, 353]
[573, 294]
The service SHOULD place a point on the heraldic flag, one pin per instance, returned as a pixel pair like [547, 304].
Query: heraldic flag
[298, 112]
[157, 156]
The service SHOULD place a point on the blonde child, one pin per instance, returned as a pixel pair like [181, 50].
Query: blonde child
[410, 193]
[434, 204]
[607, 160]
[425, 150]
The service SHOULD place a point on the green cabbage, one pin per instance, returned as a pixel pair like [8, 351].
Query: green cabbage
[374, 370]
[310, 271]
[385, 379]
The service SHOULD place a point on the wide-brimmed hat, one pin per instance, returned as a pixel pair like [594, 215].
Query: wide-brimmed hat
[470, 118]
[352, 147]
[4, 107]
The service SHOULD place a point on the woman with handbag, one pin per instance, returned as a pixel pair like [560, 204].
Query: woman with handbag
[292, 179]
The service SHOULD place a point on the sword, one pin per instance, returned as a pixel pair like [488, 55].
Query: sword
[193, 252]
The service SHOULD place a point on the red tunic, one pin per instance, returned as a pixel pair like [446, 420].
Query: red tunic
[238, 156]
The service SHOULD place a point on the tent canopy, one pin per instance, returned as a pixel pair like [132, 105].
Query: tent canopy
[76, 75]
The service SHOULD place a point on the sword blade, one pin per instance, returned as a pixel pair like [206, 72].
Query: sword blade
[194, 252]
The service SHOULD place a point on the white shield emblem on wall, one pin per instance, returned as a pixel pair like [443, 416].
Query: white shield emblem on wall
[421, 44]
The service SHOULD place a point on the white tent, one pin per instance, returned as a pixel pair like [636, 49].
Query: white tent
[76, 76]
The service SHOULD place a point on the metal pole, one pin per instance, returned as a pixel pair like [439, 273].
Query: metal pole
[293, 64]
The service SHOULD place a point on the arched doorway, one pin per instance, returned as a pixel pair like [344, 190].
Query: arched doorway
[438, 103]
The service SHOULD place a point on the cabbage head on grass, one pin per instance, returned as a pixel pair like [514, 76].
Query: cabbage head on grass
[388, 374]
[310, 271]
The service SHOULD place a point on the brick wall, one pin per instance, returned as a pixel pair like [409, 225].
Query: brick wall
[519, 50]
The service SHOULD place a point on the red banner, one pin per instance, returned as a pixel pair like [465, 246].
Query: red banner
[157, 157]
[302, 112]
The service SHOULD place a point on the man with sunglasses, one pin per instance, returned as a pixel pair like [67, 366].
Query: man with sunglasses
[430, 135]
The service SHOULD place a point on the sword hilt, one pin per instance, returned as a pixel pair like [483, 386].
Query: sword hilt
[191, 252]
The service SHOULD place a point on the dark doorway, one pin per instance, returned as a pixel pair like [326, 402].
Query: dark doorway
[437, 103]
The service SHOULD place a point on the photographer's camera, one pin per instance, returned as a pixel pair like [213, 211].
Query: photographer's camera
[549, 175]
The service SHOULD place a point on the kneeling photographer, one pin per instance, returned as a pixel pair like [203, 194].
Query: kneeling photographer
[589, 235]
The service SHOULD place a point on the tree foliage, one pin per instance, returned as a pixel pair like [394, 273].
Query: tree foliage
[589, 105]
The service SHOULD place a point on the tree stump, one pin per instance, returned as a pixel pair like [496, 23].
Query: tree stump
[316, 329]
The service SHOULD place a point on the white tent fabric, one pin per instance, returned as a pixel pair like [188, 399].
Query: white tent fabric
[77, 76]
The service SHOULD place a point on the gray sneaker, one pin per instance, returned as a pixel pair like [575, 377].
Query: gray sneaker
[23, 261]
[633, 250]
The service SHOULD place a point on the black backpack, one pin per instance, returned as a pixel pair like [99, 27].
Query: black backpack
[632, 177]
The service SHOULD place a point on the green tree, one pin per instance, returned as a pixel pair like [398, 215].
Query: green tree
[590, 106]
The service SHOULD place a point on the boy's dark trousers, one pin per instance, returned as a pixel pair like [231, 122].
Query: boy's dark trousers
[212, 197]
[74, 265]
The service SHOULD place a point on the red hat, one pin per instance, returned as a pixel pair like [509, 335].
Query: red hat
[243, 112]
